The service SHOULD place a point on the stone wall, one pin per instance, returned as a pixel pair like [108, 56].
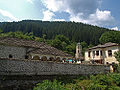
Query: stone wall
[29, 67]
[16, 52]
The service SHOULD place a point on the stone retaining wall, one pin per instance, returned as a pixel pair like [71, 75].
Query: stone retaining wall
[30, 67]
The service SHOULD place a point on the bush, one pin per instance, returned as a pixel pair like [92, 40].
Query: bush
[48, 85]
[109, 81]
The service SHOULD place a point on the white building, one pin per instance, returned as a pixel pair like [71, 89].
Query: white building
[103, 54]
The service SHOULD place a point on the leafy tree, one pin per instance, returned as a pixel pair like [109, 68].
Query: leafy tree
[1, 30]
[74, 31]
[44, 36]
[117, 56]
[111, 36]
[84, 44]
[60, 42]
[48, 85]
[71, 48]
[90, 45]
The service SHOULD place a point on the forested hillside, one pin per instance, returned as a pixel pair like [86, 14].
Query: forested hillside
[77, 32]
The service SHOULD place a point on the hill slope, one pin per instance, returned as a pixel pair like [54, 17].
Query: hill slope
[74, 31]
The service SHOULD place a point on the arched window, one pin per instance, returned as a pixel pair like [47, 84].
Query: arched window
[10, 56]
[36, 58]
[51, 59]
[58, 59]
[44, 58]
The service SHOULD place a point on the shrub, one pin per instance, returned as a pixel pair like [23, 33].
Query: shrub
[48, 85]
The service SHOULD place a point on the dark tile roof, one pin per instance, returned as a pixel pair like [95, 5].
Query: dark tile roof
[104, 46]
[50, 51]
[20, 42]
[42, 48]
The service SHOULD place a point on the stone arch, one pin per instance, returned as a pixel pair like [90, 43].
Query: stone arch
[44, 58]
[58, 59]
[36, 58]
[51, 59]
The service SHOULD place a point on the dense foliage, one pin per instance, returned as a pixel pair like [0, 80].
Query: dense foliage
[111, 36]
[77, 32]
[98, 82]
[117, 56]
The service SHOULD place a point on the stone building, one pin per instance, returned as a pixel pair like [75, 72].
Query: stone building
[103, 54]
[27, 49]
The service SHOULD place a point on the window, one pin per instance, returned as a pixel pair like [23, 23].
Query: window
[10, 56]
[107, 62]
[36, 58]
[110, 53]
[78, 51]
[26, 56]
[97, 53]
[113, 62]
[101, 53]
[89, 54]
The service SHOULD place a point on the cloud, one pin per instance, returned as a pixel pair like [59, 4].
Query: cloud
[59, 20]
[115, 28]
[47, 15]
[30, 1]
[71, 6]
[53, 5]
[86, 11]
[7, 16]
[100, 18]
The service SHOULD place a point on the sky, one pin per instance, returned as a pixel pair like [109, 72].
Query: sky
[102, 13]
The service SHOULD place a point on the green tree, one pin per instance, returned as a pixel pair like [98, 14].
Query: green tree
[74, 31]
[43, 37]
[1, 30]
[111, 36]
[84, 44]
[117, 56]
[60, 42]
[71, 48]
[48, 85]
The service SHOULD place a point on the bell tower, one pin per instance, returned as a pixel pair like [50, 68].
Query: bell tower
[78, 54]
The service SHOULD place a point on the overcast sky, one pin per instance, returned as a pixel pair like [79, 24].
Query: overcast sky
[103, 13]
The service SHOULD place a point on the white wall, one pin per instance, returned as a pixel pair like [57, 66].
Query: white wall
[104, 56]
[111, 59]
